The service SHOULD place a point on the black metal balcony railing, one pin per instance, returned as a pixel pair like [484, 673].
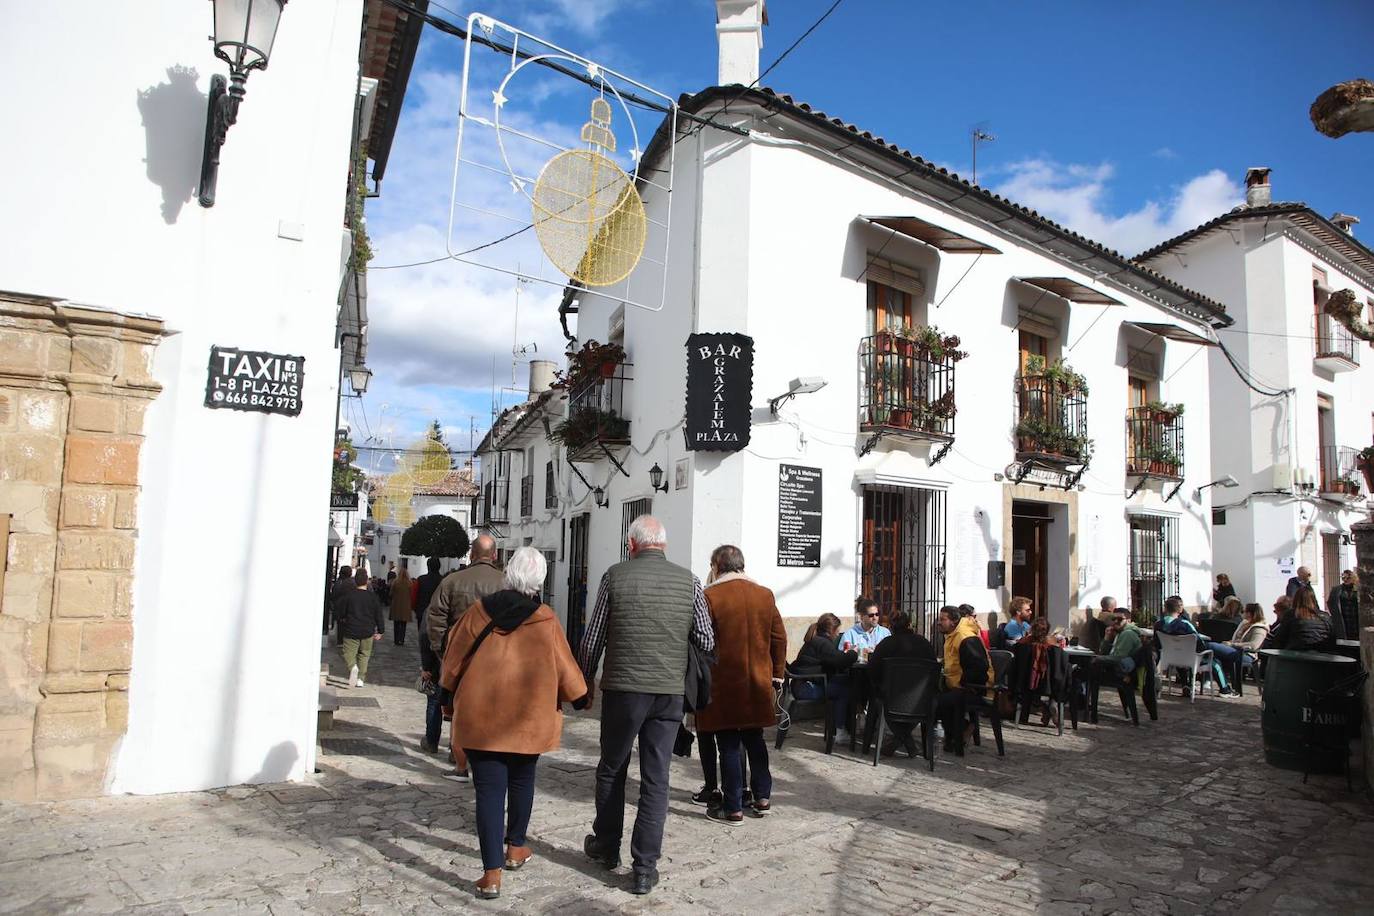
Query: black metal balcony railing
[596, 413]
[496, 495]
[1154, 443]
[1340, 472]
[476, 504]
[1335, 342]
[527, 496]
[903, 388]
[1052, 419]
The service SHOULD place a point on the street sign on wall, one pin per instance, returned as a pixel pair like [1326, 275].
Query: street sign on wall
[720, 391]
[799, 515]
[255, 380]
[343, 501]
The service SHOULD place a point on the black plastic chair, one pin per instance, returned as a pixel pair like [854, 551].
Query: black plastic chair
[1341, 698]
[1217, 629]
[1125, 685]
[1057, 695]
[795, 705]
[985, 700]
[907, 697]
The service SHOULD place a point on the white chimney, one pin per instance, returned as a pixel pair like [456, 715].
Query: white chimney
[739, 29]
[541, 376]
[1346, 222]
[1257, 190]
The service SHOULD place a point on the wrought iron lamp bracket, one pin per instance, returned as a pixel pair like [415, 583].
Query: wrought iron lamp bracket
[1139, 482]
[1174, 491]
[221, 114]
[870, 444]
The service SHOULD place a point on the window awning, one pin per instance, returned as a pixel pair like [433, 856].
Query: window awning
[927, 233]
[1172, 332]
[1072, 290]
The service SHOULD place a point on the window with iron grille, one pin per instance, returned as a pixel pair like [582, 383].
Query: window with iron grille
[631, 511]
[902, 552]
[550, 491]
[1154, 563]
[550, 557]
[578, 533]
[527, 496]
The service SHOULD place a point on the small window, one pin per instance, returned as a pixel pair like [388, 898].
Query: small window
[550, 490]
[1218, 517]
[631, 511]
[550, 557]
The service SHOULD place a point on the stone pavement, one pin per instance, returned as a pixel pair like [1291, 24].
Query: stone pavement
[1176, 816]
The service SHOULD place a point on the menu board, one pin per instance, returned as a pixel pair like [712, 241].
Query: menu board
[799, 516]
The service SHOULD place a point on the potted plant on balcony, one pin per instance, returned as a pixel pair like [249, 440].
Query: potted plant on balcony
[938, 411]
[593, 360]
[1158, 458]
[1348, 486]
[1365, 462]
[587, 424]
[1161, 412]
[1068, 380]
[1032, 434]
[1035, 364]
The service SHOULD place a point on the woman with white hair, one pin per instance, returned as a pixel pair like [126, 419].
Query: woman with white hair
[509, 666]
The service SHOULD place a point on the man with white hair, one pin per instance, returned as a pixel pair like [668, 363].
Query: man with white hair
[647, 610]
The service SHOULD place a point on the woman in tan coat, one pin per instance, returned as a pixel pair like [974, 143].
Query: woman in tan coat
[509, 667]
[402, 596]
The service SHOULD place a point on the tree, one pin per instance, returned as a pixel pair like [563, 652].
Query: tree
[346, 477]
[435, 536]
[436, 432]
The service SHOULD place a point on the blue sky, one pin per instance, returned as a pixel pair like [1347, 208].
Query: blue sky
[1127, 122]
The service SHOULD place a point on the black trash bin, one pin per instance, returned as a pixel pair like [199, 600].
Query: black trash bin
[1286, 715]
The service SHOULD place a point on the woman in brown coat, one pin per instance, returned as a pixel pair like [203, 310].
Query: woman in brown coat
[751, 647]
[401, 612]
[509, 666]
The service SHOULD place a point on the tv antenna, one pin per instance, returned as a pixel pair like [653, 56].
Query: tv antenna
[978, 135]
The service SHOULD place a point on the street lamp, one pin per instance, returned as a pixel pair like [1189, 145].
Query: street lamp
[1229, 481]
[244, 33]
[656, 478]
[358, 377]
[600, 497]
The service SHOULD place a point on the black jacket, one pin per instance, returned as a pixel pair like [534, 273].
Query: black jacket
[337, 589]
[1298, 633]
[901, 644]
[426, 586]
[359, 614]
[820, 655]
[1344, 605]
[974, 660]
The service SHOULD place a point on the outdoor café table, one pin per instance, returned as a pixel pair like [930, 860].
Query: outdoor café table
[1285, 715]
[1350, 648]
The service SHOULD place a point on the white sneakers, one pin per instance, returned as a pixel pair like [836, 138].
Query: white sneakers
[353, 678]
[360, 683]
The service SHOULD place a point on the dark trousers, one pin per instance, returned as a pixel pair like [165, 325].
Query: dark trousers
[731, 771]
[710, 755]
[504, 786]
[398, 629]
[652, 718]
[434, 717]
[952, 708]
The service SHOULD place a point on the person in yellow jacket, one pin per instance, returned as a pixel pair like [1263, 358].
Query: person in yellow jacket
[966, 666]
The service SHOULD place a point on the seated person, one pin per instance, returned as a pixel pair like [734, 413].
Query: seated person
[1039, 642]
[903, 643]
[1300, 625]
[819, 655]
[1250, 635]
[1232, 609]
[967, 610]
[1121, 642]
[1020, 611]
[1175, 623]
[867, 632]
[967, 668]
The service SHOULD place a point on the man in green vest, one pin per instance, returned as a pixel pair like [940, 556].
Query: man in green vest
[647, 610]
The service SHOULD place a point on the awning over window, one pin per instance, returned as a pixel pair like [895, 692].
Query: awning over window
[1072, 290]
[927, 233]
[1172, 332]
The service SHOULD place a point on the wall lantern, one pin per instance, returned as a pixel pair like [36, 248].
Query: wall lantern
[358, 377]
[656, 478]
[599, 495]
[1229, 482]
[244, 33]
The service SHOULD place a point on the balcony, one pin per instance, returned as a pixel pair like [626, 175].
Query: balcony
[1337, 349]
[1154, 442]
[596, 424]
[906, 389]
[1340, 473]
[1052, 421]
[495, 496]
[527, 496]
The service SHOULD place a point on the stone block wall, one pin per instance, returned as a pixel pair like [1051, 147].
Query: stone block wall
[74, 385]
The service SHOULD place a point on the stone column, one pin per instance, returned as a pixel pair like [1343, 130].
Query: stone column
[74, 384]
[1364, 565]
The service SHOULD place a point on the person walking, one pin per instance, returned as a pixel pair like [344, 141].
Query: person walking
[337, 589]
[647, 610]
[430, 661]
[402, 611]
[361, 622]
[751, 657]
[1344, 606]
[509, 667]
[456, 593]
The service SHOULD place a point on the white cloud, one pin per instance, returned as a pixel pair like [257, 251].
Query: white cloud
[1079, 196]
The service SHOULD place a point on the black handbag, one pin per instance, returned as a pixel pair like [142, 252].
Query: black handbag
[696, 687]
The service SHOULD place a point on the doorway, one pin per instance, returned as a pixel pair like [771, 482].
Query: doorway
[577, 578]
[1331, 565]
[1030, 530]
[902, 552]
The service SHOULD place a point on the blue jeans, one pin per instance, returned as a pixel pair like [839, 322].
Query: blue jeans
[732, 773]
[434, 716]
[504, 785]
[836, 689]
[1223, 660]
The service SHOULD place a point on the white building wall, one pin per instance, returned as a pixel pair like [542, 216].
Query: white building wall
[226, 629]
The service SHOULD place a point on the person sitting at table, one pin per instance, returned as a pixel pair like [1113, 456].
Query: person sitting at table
[1231, 609]
[1344, 605]
[820, 655]
[1300, 625]
[1038, 643]
[1223, 656]
[903, 643]
[1250, 635]
[968, 667]
[1020, 611]
[1223, 590]
[867, 632]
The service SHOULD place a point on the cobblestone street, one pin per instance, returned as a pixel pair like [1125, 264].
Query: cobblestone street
[1176, 816]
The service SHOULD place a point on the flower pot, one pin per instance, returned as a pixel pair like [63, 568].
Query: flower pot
[901, 417]
[1367, 467]
[608, 368]
[905, 347]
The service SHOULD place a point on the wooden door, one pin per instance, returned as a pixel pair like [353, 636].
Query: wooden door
[889, 309]
[1032, 344]
[1029, 556]
[1331, 566]
[882, 549]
